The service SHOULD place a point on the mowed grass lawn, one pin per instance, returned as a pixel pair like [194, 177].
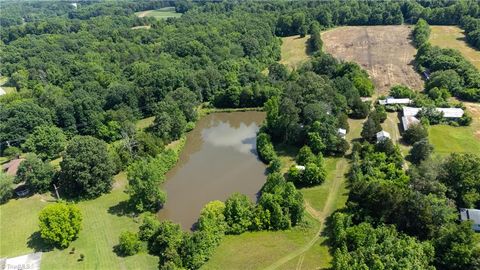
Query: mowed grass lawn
[162, 13]
[454, 37]
[101, 228]
[257, 250]
[294, 51]
[447, 139]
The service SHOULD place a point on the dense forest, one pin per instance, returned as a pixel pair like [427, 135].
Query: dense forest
[85, 74]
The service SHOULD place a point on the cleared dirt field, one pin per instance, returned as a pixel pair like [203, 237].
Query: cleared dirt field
[453, 37]
[385, 52]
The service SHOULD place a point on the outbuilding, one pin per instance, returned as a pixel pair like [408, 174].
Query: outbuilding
[473, 215]
[382, 136]
[393, 101]
[342, 133]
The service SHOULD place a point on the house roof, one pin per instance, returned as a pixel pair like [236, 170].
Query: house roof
[447, 112]
[11, 167]
[342, 131]
[470, 214]
[451, 112]
[407, 121]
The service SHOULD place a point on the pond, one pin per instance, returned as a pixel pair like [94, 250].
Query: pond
[219, 159]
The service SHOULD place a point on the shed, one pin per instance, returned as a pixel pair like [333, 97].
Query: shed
[382, 135]
[2, 92]
[391, 101]
[342, 133]
[473, 215]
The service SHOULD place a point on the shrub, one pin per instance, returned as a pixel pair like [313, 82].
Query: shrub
[129, 244]
[6, 187]
[415, 133]
[265, 149]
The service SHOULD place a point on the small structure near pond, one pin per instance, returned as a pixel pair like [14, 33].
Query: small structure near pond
[342, 133]
[473, 215]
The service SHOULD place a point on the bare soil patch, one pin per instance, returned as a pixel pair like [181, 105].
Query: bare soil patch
[385, 52]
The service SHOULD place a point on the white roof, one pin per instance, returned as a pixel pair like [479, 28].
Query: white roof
[382, 135]
[391, 100]
[410, 111]
[342, 131]
[447, 112]
[451, 112]
[2, 92]
[470, 214]
[407, 121]
[300, 167]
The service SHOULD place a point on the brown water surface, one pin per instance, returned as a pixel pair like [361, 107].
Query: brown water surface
[219, 158]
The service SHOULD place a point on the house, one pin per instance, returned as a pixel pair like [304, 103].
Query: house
[342, 133]
[410, 115]
[382, 135]
[11, 167]
[473, 215]
[393, 101]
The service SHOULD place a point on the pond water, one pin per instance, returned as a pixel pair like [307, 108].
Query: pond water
[219, 158]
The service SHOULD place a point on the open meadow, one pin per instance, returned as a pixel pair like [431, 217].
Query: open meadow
[162, 13]
[294, 51]
[453, 37]
[385, 52]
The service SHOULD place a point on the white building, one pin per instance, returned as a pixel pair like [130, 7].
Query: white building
[392, 101]
[342, 133]
[410, 115]
[2, 92]
[382, 135]
[473, 215]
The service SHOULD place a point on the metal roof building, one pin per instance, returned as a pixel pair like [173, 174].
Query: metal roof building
[391, 100]
[473, 215]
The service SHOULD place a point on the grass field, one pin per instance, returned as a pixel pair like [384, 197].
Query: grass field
[294, 51]
[256, 250]
[101, 228]
[6, 85]
[453, 37]
[385, 52]
[162, 13]
[447, 139]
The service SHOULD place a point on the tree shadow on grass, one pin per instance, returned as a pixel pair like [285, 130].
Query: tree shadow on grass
[123, 208]
[36, 243]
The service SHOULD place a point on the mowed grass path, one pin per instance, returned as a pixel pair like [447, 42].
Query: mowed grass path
[294, 51]
[447, 139]
[162, 13]
[454, 37]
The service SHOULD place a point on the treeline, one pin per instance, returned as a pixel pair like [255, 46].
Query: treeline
[472, 30]
[446, 70]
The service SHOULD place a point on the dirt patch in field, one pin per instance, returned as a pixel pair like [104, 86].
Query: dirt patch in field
[385, 52]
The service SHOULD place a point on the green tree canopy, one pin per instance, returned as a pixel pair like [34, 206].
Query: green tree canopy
[60, 223]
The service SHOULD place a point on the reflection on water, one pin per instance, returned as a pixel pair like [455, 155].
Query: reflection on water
[219, 158]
